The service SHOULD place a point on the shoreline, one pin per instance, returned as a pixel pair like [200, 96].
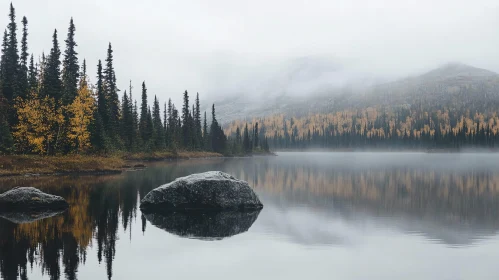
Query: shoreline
[33, 165]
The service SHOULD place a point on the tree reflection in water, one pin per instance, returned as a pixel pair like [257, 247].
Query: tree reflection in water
[101, 205]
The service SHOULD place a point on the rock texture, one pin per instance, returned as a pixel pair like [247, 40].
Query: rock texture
[207, 226]
[30, 199]
[212, 190]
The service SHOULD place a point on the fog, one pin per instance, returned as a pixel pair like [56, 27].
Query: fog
[226, 48]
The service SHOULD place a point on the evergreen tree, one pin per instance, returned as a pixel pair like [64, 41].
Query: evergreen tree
[186, 125]
[246, 140]
[32, 76]
[159, 135]
[99, 124]
[70, 73]
[52, 71]
[206, 136]
[145, 127]
[111, 92]
[197, 123]
[23, 72]
[255, 137]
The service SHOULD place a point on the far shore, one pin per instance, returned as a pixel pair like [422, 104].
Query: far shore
[384, 150]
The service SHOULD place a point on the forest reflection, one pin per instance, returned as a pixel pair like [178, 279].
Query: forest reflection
[101, 205]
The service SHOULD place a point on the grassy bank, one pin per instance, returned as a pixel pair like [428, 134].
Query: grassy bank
[23, 164]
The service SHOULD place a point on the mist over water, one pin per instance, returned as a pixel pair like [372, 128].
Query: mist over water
[351, 215]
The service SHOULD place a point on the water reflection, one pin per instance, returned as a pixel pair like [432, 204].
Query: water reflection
[213, 225]
[27, 217]
[310, 200]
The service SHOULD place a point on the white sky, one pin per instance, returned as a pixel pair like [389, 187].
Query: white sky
[213, 47]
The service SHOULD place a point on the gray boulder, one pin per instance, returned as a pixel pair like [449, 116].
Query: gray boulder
[212, 190]
[210, 225]
[30, 199]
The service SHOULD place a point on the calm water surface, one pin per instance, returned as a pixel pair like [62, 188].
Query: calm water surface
[325, 216]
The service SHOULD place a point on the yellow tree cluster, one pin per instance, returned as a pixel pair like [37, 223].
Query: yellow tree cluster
[42, 125]
[39, 125]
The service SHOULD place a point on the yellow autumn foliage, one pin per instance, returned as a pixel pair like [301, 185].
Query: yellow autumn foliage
[80, 116]
[39, 123]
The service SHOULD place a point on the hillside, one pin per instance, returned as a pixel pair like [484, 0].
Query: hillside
[453, 85]
[453, 106]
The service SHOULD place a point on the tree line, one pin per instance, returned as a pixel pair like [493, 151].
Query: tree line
[410, 127]
[50, 107]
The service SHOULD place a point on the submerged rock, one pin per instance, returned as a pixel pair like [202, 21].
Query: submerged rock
[212, 190]
[26, 217]
[211, 225]
[30, 199]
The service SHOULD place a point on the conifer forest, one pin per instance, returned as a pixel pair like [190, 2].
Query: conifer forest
[49, 106]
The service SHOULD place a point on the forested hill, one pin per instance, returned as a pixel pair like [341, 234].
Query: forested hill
[454, 106]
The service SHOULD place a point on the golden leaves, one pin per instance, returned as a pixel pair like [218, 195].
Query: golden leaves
[38, 123]
[81, 115]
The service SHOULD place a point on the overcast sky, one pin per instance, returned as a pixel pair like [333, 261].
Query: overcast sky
[218, 46]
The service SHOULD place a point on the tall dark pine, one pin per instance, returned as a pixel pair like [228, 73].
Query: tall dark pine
[70, 73]
[52, 85]
[10, 65]
[23, 67]
[32, 75]
[144, 128]
[197, 123]
[206, 136]
[255, 137]
[246, 140]
[98, 126]
[112, 96]
[186, 124]
[158, 130]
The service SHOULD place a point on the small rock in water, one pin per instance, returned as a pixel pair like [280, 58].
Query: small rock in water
[29, 199]
[212, 190]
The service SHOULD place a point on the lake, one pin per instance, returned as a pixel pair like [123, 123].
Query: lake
[325, 216]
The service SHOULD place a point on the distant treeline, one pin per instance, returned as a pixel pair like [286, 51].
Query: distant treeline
[49, 107]
[387, 128]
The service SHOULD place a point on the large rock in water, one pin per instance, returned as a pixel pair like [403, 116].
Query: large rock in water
[30, 199]
[212, 190]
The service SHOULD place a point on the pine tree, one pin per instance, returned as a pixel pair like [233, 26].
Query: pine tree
[255, 138]
[52, 86]
[32, 76]
[111, 92]
[100, 120]
[144, 128]
[197, 123]
[70, 73]
[159, 136]
[23, 73]
[206, 136]
[186, 125]
[246, 140]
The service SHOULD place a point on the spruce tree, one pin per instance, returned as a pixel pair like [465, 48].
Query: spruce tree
[206, 136]
[32, 76]
[186, 125]
[98, 128]
[10, 82]
[111, 92]
[144, 128]
[246, 140]
[52, 85]
[70, 73]
[197, 123]
[23, 71]
[159, 135]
